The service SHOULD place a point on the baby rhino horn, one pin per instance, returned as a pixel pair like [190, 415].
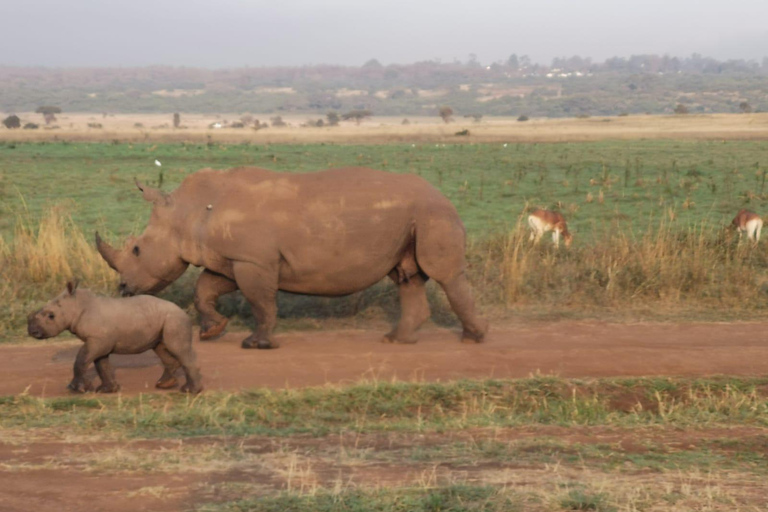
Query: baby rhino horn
[107, 251]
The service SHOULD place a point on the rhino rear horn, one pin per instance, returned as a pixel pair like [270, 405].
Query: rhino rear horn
[107, 252]
[153, 195]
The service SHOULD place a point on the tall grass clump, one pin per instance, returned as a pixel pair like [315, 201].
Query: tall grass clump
[690, 267]
[38, 260]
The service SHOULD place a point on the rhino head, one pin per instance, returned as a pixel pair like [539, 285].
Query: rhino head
[150, 262]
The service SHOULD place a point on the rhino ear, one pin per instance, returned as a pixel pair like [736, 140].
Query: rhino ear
[72, 286]
[153, 195]
[107, 252]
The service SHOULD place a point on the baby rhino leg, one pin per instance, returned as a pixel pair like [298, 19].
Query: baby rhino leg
[107, 376]
[171, 365]
[177, 338]
[89, 352]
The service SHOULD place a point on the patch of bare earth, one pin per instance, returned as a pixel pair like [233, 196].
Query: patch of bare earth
[58, 474]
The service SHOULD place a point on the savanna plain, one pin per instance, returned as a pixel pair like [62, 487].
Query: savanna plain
[652, 262]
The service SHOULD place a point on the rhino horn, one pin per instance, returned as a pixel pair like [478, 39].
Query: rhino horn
[107, 252]
[153, 195]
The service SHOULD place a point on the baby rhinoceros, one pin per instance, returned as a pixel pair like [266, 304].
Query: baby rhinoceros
[119, 326]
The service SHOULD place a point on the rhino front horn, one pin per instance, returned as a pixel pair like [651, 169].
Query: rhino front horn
[107, 251]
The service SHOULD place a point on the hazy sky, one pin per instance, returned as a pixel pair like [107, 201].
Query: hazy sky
[233, 33]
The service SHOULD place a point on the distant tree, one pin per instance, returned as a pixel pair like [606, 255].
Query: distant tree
[247, 119]
[475, 117]
[277, 121]
[522, 118]
[462, 133]
[513, 61]
[406, 121]
[745, 107]
[681, 109]
[333, 118]
[446, 113]
[176, 120]
[237, 124]
[12, 122]
[138, 125]
[357, 115]
[31, 126]
[49, 113]
[373, 63]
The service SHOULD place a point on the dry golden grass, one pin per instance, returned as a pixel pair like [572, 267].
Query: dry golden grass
[157, 128]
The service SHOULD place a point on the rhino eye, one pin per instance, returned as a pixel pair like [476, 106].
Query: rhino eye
[136, 250]
[51, 316]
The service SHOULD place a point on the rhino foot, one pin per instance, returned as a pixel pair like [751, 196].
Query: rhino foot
[104, 388]
[391, 338]
[212, 332]
[191, 389]
[79, 386]
[253, 342]
[166, 382]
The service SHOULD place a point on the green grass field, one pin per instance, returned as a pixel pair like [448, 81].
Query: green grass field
[489, 184]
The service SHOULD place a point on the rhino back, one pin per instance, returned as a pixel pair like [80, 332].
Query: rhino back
[322, 226]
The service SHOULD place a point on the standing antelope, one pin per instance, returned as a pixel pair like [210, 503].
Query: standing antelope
[542, 221]
[748, 222]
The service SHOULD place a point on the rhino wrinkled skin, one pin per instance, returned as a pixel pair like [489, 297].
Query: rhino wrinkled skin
[119, 326]
[328, 233]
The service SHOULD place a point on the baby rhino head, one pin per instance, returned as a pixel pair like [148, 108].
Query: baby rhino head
[55, 316]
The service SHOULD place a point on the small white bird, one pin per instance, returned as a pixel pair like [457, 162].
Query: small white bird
[157, 163]
[505, 145]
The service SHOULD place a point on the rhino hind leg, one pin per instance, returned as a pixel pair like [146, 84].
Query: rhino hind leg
[440, 248]
[171, 366]
[177, 342]
[210, 286]
[413, 306]
[460, 297]
[259, 287]
[107, 375]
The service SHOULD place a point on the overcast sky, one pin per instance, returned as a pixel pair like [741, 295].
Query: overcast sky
[234, 33]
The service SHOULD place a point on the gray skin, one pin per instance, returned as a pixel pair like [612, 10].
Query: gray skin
[119, 326]
[328, 233]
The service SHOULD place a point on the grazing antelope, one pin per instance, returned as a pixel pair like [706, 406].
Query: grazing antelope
[748, 222]
[542, 221]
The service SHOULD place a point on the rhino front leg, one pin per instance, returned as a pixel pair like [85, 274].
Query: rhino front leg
[88, 353]
[259, 287]
[210, 286]
[107, 375]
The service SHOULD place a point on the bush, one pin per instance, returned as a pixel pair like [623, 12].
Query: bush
[31, 126]
[522, 118]
[11, 122]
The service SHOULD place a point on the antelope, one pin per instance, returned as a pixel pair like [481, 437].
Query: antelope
[542, 221]
[748, 222]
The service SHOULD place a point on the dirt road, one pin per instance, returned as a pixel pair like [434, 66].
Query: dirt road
[566, 349]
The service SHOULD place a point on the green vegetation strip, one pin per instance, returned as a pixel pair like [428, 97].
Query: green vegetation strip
[371, 407]
[449, 499]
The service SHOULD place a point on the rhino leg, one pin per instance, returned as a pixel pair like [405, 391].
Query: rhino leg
[210, 286]
[259, 286]
[177, 345]
[107, 375]
[170, 364]
[460, 297]
[440, 247]
[87, 354]
[413, 305]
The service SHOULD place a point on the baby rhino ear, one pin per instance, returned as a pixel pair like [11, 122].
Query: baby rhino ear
[72, 286]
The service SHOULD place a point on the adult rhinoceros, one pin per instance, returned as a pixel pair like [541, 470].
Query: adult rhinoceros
[328, 233]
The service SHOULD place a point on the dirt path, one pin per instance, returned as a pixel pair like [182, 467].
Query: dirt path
[567, 349]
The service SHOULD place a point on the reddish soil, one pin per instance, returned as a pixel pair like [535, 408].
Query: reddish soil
[567, 349]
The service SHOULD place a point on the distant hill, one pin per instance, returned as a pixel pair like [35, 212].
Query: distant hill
[567, 87]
